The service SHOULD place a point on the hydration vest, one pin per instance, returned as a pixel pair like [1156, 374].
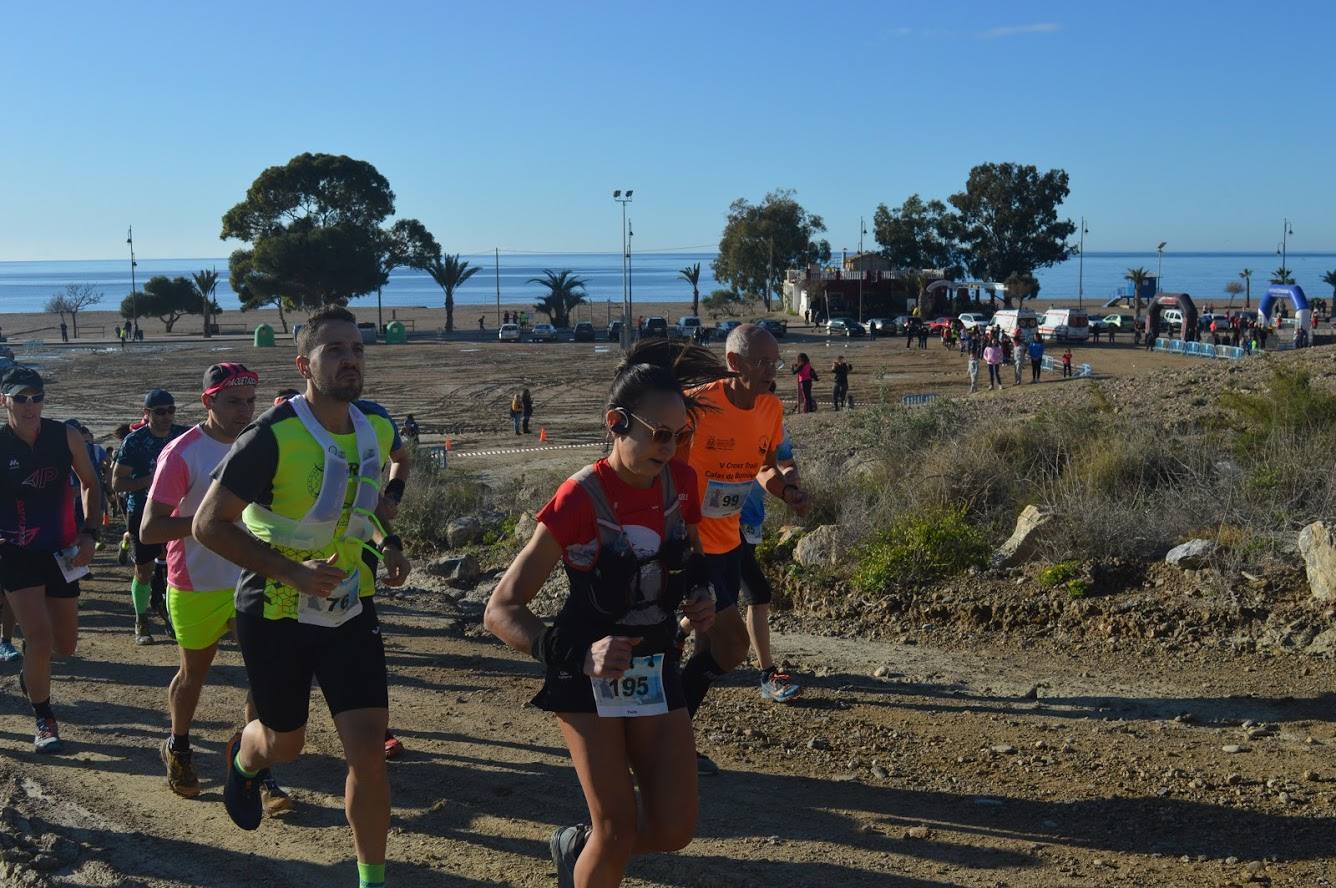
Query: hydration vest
[327, 522]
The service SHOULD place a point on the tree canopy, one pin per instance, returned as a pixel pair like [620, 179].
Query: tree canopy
[917, 234]
[761, 240]
[1008, 220]
[167, 299]
[314, 226]
[449, 272]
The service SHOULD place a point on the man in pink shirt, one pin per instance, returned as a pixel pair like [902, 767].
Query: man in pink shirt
[200, 584]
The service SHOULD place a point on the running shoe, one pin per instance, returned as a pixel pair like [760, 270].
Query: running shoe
[273, 799]
[9, 653]
[566, 844]
[48, 736]
[394, 747]
[123, 554]
[241, 794]
[181, 776]
[142, 635]
[778, 687]
[705, 767]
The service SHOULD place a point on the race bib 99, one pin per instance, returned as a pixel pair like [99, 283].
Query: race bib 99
[724, 498]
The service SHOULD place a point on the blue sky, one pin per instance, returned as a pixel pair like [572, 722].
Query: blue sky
[508, 124]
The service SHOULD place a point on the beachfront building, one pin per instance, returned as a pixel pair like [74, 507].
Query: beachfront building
[835, 291]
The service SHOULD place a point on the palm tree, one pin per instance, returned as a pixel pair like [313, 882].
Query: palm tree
[691, 274]
[1330, 280]
[206, 284]
[449, 272]
[564, 292]
[1247, 274]
[1138, 277]
[1282, 275]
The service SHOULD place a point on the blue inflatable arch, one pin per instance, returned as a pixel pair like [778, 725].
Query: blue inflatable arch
[1302, 313]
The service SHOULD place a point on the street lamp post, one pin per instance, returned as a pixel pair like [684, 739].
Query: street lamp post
[862, 267]
[1080, 267]
[1159, 269]
[1284, 250]
[134, 300]
[624, 198]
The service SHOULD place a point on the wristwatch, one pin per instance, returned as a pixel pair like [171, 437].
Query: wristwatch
[392, 540]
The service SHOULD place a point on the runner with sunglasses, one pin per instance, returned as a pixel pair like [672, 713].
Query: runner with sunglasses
[42, 551]
[624, 529]
[135, 463]
[735, 444]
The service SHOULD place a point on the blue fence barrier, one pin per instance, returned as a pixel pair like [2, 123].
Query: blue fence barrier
[1202, 349]
[917, 400]
[1055, 364]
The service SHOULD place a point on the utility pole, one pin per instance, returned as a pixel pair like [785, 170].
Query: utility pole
[498, 288]
[862, 230]
[626, 270]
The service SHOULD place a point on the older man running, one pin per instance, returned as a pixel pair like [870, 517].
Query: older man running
[737, 435]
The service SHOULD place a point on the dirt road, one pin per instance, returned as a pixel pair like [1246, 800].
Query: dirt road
[900, 766]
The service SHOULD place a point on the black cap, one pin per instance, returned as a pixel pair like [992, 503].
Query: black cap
[18, 379]
[159, 398]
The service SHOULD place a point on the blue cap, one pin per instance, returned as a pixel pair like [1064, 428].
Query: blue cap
[159, 398]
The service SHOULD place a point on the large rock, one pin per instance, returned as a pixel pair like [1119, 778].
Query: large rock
[463, 532]
[788, 533]
[1322, 645]
[1192, 555]
[820, 548]
[1032, 525]
[460, 571]
[1319, 552]
[525, 525]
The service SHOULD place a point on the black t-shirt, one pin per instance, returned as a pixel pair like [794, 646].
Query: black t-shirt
[36, 501]
[841, 372]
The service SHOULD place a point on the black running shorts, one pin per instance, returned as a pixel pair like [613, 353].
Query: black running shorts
[755, 587]
[565, 691]
[145, 553]
[725, 577]
[282, 656]
[25, 569]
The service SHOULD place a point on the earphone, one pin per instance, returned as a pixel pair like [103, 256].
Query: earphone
[623, 425]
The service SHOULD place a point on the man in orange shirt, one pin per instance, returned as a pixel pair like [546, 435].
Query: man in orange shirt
[738, 429]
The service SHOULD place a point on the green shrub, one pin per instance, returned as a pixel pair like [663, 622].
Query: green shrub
[1065, 575]
[920, 548]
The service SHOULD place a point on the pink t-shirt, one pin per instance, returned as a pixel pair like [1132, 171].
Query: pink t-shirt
[992, 354]
[181, 480]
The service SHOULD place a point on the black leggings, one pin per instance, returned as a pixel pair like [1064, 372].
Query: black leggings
[994, 374]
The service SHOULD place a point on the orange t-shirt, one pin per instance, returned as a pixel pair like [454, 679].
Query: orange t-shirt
[729, 447]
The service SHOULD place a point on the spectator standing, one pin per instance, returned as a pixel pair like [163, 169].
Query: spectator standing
[806, 375]
[992, 356]
[841, 368]
[526, 408]
[1036, 350]
[1067, 362]
[516, 411]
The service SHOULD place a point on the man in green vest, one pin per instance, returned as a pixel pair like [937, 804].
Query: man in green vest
[293, 504]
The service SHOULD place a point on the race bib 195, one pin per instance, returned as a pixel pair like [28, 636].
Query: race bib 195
[639, 692]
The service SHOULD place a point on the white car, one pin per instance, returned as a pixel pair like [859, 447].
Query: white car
[543, 333]
[970, 320]
[508, 333]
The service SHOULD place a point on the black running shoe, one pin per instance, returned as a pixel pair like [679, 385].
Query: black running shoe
[566, 844]
[241, 794]
[705, 766]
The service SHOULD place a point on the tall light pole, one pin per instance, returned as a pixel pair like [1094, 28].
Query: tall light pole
[862, 230]
[134, 300]
[1080, 267]
[626, 269]
[1284, 250]
[1159, 269]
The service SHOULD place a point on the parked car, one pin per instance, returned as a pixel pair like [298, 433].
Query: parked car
[655, 326]
[844, 327]
[777, 329]
[882, 326]
[1023, 319]
[508, 333]
[725, 327]
[903, 323]
[543, 333]
[584, 332]
[971, 319]
[615, 331]
[1121, 321]
[1065, 325]
[937, 325]
[687, 325]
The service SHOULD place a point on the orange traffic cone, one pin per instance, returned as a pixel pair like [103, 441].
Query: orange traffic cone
[542, 435]
[449, 443]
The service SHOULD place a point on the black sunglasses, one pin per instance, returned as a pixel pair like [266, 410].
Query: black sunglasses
[28, 399]
[164, 411]
[663, 435]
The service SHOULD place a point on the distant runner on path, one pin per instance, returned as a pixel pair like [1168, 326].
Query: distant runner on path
[42, 552]
[294, 505]
[200, 585]
[624, 528]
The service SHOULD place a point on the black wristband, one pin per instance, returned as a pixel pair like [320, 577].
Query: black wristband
[395, 489]
[392, 541]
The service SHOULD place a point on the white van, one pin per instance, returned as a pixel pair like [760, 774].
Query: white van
[1022, 319]
[1171, 324]
[687, 325]
[1065, 325]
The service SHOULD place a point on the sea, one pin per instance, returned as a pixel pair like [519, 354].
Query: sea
[25, 286]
